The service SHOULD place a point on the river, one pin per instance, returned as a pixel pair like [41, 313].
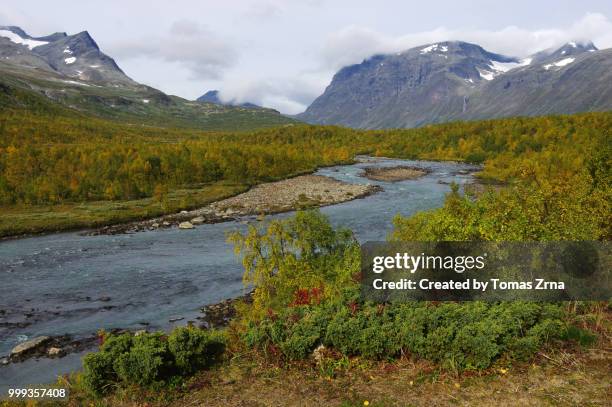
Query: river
[67, 283]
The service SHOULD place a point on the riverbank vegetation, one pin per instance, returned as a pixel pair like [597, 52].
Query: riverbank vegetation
[308, 333]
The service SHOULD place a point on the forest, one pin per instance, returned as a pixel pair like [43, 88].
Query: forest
[54, 159]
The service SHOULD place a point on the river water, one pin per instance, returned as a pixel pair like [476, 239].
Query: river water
[67, 283]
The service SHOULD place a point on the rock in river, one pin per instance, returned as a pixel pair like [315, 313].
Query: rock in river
[197, 221]
[186, 225]
[29, 346]
[54, 351]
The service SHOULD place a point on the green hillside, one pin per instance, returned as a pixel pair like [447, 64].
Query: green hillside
[130, 103]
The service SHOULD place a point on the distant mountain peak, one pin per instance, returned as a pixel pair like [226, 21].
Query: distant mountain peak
[457, 80]
[86, 39]
[212, 96]
[571, 48]
[77, 56]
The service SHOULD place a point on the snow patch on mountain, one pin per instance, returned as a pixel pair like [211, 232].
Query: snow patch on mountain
[487, 75]
[19, 40]
[560, 63]
[70, 60]
[506, 66]
[434, 47]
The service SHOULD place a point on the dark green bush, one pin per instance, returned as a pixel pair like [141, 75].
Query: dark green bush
[147, 362]
[151, 359]
[195, 349]
[461, 336]
[98, 373]
[580, 336]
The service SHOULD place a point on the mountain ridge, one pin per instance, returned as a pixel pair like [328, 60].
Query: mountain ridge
[77, 55]
[70, 73]
[452, 80]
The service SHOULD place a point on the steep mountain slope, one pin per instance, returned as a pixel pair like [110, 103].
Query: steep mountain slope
[212, 96]
[72, 72]
[564, 85]
[462, 81]
[77, 56]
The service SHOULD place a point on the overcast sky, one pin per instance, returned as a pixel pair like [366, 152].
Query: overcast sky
[283, 53]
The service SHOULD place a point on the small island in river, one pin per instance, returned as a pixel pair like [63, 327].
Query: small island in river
[394, 174]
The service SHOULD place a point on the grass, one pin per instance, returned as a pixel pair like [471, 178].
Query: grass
[555, 378]
[19, 220]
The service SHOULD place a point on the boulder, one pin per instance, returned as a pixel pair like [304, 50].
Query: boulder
[197, 221]
[140, 332]
[54, 351]
[186, 225]
[29, 346]
[155, 225]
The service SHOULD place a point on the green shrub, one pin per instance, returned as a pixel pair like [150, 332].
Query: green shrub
[98, 373]
[460, 336]
[151, 359]
[580, 336]
[195, 349]
[147, 362]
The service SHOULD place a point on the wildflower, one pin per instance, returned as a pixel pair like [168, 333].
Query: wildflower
[366, 403]
[457, 385]
[319, 354]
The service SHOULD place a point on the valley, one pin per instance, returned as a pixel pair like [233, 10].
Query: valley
[243, 283]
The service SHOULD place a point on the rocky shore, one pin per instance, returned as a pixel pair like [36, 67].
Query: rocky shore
[216, 315]
[219, 315]
[50, 347]
[275, 197]
[394, 174]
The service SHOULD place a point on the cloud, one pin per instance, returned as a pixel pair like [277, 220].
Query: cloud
[187, 43]
[289, 94]
[264, 11]
[353, 43]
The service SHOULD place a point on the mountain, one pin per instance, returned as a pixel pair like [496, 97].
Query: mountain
[70, 72]
[212, 96]
[77, 56]
[456, 80]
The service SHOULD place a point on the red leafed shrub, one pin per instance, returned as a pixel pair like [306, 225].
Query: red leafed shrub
[272, 315]
[305, 296]
[354, 307]
[101, 337]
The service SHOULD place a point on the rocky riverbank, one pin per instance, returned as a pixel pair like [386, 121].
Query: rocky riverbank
[219, 315]
[216, 315]
[394, 174]
[304, 191]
